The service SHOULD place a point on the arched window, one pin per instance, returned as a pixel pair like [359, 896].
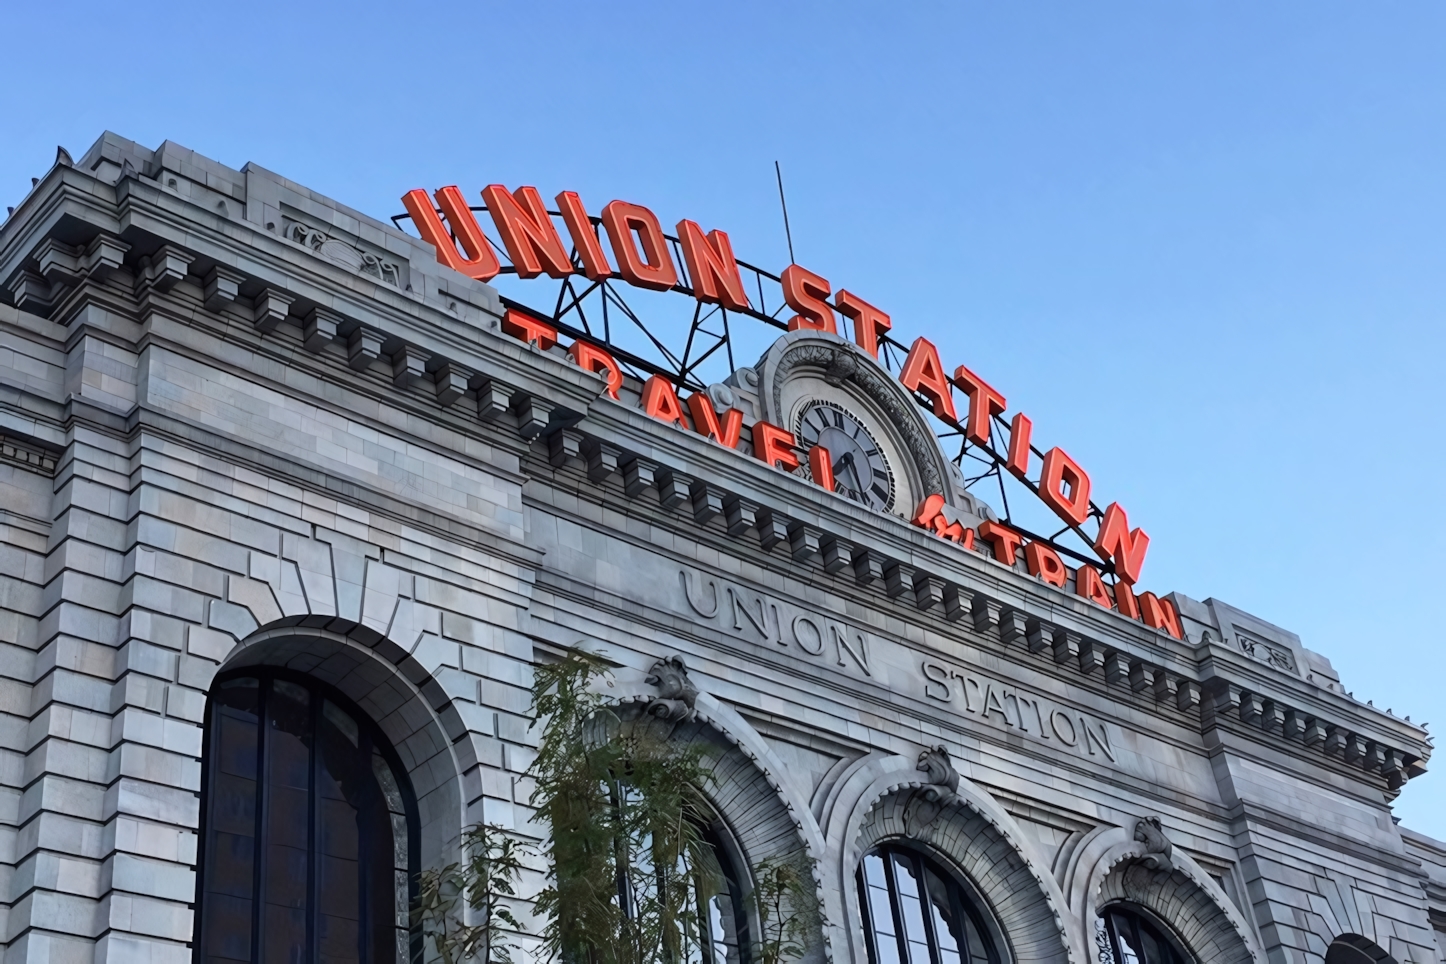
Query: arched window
[722, 914]
[1136, 939]
[916, 912]
[1354, 949]
[308, 834]
[715, 889]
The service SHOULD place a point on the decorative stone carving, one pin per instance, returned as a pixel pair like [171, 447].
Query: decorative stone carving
[936, 763]
[1265, 653]
[746, 377]
[940, 790]
[722, 397]
[339, 251]
[1180, 892]
[677, 696]
[1104, 953]
[1157, 846]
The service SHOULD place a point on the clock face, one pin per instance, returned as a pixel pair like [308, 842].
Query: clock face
[860, 469]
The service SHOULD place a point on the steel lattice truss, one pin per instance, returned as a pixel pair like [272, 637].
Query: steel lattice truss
[649, 333]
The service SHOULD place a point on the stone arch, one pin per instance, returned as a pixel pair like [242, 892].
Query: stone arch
[334, 594]
[752, 796]
[1111, 867]
[400, 695]
[1182, 905]
[1355, 949]
[971, 832]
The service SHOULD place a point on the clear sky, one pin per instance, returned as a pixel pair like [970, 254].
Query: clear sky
[1200, 243]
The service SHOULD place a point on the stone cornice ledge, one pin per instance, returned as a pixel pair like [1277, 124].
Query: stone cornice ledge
[216, 264]
[1003, 605]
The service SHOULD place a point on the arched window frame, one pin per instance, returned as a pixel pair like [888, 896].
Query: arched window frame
[740, 885]
[969, 901]
[378, 741]
[733, 865]
[1137, 914]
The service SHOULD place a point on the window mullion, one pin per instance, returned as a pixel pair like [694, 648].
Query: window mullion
[866, 904]
[313, 848]
[365, 862]
[258, 849]
[965, 922]
[896, 907]
[926, 909]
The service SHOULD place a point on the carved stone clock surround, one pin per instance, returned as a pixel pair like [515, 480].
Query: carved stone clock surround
[843, 363]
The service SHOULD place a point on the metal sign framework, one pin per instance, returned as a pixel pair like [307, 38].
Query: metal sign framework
[598, 311]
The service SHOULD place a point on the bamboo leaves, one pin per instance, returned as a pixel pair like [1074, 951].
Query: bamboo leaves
[788, 909]
[492, 861]
[632, 874]
[630, 870]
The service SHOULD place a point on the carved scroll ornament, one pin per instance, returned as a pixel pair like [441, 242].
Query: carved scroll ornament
[940, 791]
[677, 696]
[1158, 848]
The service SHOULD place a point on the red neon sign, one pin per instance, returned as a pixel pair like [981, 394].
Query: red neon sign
[642, 256]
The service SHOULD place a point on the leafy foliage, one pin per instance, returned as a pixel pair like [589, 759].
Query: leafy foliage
[631, 873]
[788, 909]
[492, 861]
[630, 870]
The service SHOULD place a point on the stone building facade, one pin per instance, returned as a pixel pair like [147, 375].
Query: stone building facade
[251, 437]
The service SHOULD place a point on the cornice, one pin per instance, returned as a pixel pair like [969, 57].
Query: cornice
[27, 455]
[206, 267]
[922, 574]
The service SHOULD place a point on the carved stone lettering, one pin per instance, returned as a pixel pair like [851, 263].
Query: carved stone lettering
[1005, 707]
[1097, 735]
[758, 618]
[1056, 717]
[994, 704]
[807, 635]
[937, 686]
[845, 641]
[741, 612]
[703, 600]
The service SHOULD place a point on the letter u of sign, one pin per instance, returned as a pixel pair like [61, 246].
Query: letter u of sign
[688, 593]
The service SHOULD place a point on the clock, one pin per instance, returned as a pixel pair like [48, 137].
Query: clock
[861, 469]
[831, 393]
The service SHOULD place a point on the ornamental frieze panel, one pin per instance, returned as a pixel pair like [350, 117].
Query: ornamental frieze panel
[343, 252]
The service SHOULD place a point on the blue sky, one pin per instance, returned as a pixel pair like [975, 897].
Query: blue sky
[1199, 243]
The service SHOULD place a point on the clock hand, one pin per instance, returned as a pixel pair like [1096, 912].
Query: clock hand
[848, 462]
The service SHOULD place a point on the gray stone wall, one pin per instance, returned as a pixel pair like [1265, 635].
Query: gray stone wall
[244, 425]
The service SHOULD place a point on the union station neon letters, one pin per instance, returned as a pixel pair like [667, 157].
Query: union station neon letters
[640, 252]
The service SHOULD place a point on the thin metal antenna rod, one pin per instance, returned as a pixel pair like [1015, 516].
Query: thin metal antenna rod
[781, 200]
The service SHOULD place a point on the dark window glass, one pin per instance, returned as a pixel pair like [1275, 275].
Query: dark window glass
[309, 830]
[723, 920]
[915, 912]
[715, 893]
[1136, 939]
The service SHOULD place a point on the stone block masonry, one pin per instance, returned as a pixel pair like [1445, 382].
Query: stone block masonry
[243, 426]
